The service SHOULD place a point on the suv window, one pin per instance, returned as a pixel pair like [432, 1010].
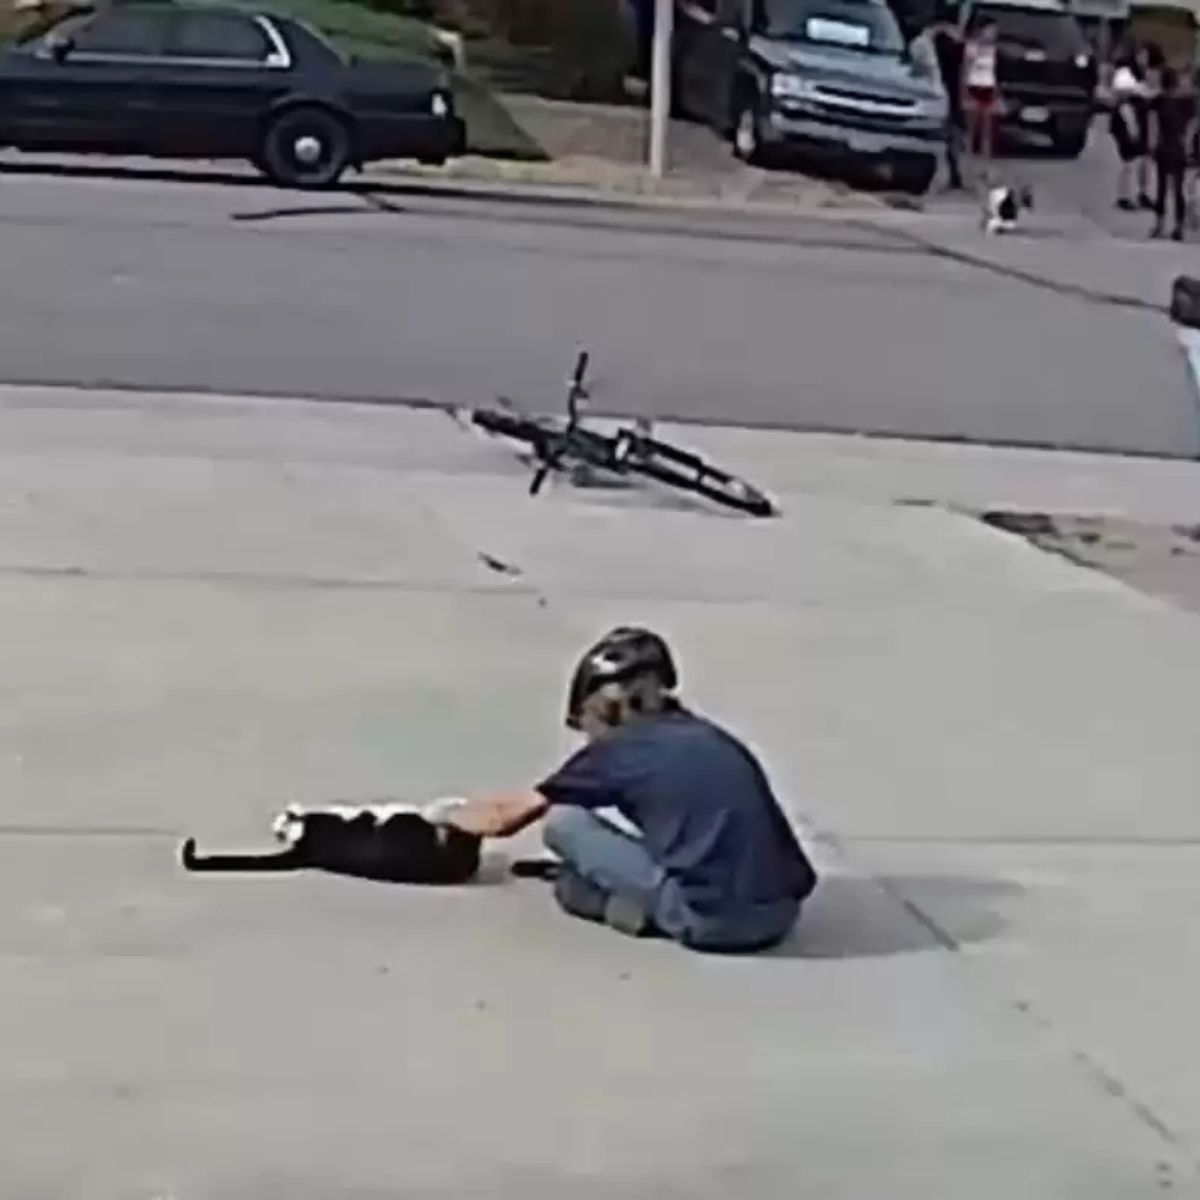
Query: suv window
[1057, 33]
[850, 24]
[217, 35]
[131, 31]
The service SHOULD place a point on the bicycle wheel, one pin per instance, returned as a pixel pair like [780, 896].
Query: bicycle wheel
[682, 469]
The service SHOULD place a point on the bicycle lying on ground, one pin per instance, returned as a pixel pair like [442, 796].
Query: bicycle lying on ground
[629, 450]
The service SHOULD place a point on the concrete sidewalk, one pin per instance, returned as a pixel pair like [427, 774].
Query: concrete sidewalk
[216, 606]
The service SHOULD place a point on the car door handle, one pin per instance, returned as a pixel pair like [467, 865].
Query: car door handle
[729, 33]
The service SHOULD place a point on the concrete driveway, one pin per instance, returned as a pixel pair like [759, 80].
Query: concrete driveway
[215, 606]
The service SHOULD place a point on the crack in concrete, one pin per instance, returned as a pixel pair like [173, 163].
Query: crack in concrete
[1100, 1075]
[498, 564]
[1111, 1085]
[156, 832]
[253, 579]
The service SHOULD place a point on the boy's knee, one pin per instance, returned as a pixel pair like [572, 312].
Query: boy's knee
[563, 827]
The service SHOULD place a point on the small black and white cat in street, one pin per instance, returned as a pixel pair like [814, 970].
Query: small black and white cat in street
[1003, 206]
[391, 843]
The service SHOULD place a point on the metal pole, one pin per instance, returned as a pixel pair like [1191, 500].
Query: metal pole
[660, 86]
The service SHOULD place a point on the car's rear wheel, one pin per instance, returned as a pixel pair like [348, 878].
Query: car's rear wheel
[305, 147]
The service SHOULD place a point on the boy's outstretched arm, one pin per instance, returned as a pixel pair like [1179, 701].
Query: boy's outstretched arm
[497, 815]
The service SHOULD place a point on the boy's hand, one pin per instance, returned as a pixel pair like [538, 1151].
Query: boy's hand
[500, 815]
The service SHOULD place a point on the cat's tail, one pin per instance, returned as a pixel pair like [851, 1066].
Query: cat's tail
[283, 860]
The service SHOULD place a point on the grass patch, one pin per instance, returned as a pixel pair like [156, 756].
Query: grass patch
[368, 32]
[358, 29]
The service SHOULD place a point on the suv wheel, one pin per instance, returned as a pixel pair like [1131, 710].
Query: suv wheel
[305, 147]
[914, 176]
[1070, 143]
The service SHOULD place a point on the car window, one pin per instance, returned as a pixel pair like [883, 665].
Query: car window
[217, 35]
[317, 40]
[1057, 33]
[132, 31]
[848, 24]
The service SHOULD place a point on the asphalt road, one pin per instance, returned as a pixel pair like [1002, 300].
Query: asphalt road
[149, 281]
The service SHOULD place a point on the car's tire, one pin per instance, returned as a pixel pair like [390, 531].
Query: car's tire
[1070, 143]
[746, 130]
[914, 176]
[306, 147]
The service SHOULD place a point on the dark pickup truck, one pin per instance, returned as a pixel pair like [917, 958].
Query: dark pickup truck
[1046, 69]
[809, 78]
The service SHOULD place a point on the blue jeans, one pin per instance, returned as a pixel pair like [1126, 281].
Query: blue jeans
[616, 863]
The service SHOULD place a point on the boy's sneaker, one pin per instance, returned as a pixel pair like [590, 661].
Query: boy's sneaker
[580, 897]
[627, 916]
[548, 869]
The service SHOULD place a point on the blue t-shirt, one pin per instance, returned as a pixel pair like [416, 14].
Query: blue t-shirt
[703, 804]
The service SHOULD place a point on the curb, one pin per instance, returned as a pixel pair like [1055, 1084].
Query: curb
[465, 187]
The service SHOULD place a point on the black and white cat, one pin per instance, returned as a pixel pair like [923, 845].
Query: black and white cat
[392, 843]
[1003, 206]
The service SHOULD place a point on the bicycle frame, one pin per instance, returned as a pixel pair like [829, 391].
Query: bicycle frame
[630, 449]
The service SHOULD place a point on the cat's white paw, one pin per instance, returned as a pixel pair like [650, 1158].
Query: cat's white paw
[289, 824]
[440, 810]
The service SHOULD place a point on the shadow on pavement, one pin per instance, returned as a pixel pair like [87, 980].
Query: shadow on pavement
[360, 188]
[873, 917]
[148, 174]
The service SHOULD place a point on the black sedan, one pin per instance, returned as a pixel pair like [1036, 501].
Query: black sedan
[193, 81]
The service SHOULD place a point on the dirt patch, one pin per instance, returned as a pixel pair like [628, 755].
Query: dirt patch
[1160, 560]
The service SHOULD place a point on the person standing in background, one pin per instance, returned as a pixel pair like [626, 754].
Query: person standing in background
[948, 46]
[1150, 63]
[1173, 112]
[1128, 126]
[982, 89]
[1193, 190]
[643, 24]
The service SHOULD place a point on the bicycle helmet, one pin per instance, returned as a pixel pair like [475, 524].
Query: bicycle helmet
[620, 656]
